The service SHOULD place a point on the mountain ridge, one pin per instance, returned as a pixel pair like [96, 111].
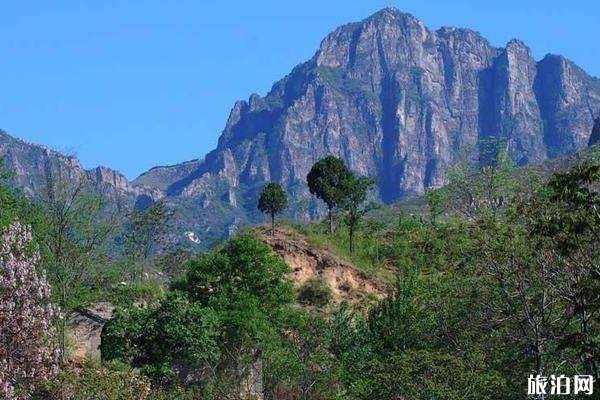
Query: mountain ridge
[396, 101]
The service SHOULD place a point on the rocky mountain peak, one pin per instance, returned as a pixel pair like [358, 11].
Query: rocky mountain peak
[392, 15]
[396, 100]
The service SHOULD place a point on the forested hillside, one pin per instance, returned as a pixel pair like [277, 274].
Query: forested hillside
[494, 279]
[411, 214]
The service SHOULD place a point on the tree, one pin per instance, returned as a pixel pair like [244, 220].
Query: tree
[74, 243]
[147, 230]
[484, 185]
[326, 180]
[212, 328]
[356, 190]
[27, 357]
[564, 224]
[273, 201]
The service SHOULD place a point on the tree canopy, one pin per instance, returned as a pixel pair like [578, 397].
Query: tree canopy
[272, 201]
[326, 180]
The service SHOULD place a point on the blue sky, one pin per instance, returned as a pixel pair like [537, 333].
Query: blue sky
[134, 84]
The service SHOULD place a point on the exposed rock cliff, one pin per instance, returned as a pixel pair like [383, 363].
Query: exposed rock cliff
[34, 166]
[397, 101]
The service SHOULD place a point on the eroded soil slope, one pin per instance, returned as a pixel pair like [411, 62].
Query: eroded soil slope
[346, 280]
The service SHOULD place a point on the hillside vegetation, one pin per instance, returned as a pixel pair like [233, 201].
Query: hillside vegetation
[460, 295]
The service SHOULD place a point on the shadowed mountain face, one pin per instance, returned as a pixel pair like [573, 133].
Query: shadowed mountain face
[396, 101]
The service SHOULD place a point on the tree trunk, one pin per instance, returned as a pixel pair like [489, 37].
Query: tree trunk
[272, 224]
[330, 215]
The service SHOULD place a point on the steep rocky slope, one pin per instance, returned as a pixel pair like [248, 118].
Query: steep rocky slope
[395, 99]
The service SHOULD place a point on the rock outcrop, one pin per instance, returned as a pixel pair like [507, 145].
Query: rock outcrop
[398, 102]
[347, 282]
[395, 99]
[86, 328]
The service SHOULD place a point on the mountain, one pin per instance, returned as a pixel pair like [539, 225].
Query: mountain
[33, 166]
[397, 101]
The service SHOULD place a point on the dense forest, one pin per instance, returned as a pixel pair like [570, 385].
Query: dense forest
[491, 278]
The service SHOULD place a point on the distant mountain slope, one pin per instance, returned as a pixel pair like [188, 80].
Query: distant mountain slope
[397, 101]
[34, 165]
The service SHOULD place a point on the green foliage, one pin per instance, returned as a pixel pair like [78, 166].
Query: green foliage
[272, 201]
[501, 281]
[326, 180]
[97, 382]
[177, 332]
[353, 203]
[146, 232]
[216, 318]
[123, 294]
[300, 364]
[483, 184]
[15, 207]
[244, 266]
[315, 292]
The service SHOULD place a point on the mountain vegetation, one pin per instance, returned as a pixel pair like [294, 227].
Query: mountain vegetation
[488, 274]
[496, 280]
[272, 201]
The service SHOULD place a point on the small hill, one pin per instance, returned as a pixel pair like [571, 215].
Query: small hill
[306, 261]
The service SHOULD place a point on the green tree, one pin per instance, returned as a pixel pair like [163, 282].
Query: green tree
[326, 180]
[301, 363]
[74, 243]
[214, 326]
[146, 231]
[273, 201]
[354, 203]
[484, 184]
[563, 222]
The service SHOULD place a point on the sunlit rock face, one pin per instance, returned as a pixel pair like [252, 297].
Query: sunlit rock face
[398, 102]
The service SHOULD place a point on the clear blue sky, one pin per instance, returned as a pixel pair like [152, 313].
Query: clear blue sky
[134, 84]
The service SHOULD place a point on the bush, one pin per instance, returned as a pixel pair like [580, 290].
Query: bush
[315, 292]
[127, 293]
[97, 382]
[211, 324]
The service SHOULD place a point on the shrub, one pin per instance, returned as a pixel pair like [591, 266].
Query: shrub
[315, 292]
[97, 382]
[213, 322]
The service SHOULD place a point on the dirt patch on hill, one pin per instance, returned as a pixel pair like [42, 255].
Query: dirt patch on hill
[346, 281]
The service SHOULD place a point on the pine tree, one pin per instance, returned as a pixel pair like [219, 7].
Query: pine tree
[272, 201]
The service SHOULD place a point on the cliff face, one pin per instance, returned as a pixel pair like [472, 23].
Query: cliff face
[33, 166]
[397, 101]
